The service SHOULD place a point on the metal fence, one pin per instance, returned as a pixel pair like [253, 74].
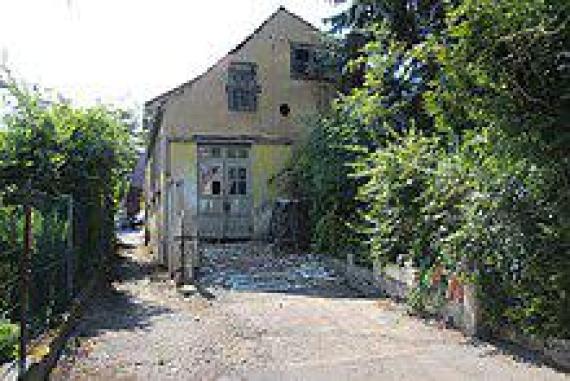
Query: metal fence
[48, 252]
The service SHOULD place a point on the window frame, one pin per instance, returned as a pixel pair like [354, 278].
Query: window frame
[315, 67]
[242, 87]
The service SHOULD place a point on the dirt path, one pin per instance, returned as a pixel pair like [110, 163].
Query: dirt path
[281, 319]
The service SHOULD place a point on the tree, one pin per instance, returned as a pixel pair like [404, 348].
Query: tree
[409, 21]
[457, 137]
[58, 148]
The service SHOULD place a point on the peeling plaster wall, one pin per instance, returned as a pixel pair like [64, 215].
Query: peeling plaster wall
[267, 161]
[184, 172]
[155, 198]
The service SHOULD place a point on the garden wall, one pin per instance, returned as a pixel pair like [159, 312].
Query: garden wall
[397, 281]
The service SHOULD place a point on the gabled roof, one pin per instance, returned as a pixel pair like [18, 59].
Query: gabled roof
[234, 50]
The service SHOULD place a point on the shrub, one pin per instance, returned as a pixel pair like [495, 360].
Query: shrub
[9, 334]
[476, 210]
[458, 140]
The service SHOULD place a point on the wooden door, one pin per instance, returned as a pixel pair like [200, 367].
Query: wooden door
[224, 192]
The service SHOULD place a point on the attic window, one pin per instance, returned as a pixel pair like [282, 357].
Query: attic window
[242, 87]
[304, 61]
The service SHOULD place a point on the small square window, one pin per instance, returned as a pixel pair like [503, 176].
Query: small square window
[242, 173]
[210, 179]
[301, 61]
[203, 152]
[309, 62]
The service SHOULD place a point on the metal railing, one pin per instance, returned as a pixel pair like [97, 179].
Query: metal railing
[49, 250]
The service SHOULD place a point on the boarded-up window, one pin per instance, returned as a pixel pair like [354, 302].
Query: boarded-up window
[211, 179]
[242, 87]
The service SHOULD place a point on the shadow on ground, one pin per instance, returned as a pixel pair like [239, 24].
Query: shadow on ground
[493, 348]
[115, 306]
[126, 269]
[118, 310]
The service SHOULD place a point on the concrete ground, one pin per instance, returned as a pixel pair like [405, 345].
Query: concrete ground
[264, 318]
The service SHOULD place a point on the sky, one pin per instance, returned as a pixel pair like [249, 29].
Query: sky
[128, 51]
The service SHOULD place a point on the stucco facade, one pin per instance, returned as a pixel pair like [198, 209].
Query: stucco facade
[196, 114]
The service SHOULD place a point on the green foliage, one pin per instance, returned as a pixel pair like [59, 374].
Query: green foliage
[454, 149]
[9, 334]
[480, 188]
[396, 177]
[55, 148]
[471, 206]
[50, 150]
[319, 176]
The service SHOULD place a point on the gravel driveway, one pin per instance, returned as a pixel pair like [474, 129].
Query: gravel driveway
[262, 318]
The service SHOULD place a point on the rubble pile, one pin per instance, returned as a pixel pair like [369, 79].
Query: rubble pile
[235, 267]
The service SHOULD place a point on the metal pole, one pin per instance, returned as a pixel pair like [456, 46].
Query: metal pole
[69, 251]
[24, 289]
[179, 186]
[182, 252]
[101, 246]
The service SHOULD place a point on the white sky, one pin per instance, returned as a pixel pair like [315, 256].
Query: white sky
[128, 51]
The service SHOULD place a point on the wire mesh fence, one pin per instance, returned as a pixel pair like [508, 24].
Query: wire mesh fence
[49, 251]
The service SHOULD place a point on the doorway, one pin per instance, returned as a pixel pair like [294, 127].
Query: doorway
[224, 192]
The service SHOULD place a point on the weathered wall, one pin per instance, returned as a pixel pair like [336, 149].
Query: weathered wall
[182, 191]
[202, 107]
[397, 282]
[183, 173]
[268, 161]
[156, 203]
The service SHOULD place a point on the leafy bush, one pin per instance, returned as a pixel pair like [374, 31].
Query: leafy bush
[458, 143]
[50, 148]
[9, 334]
[56, 148]
[319, 175]
[472, 206]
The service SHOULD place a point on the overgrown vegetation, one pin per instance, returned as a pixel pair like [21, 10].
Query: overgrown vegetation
[453, 153]
[49, 150]
[62, 149]
[8, 341]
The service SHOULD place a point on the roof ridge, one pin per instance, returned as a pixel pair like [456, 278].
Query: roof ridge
[232, 51]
